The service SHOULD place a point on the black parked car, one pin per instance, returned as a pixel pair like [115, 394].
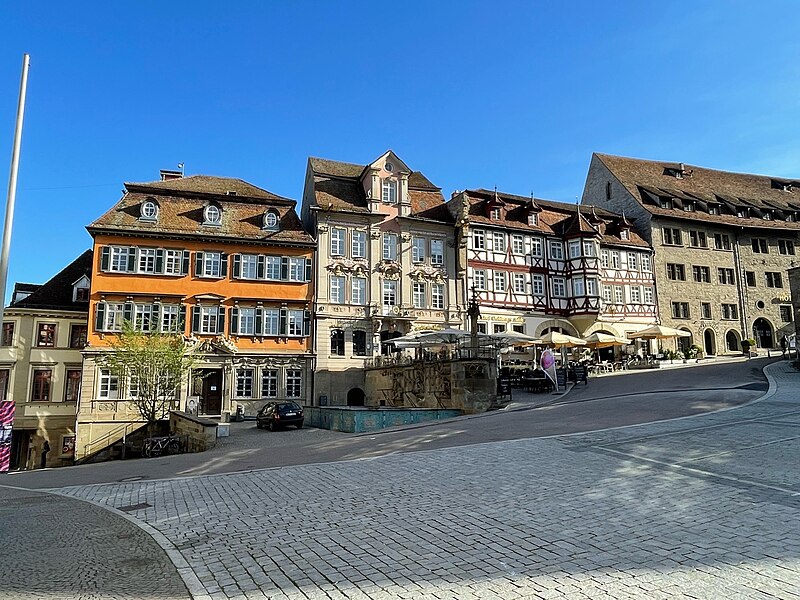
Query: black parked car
[278, 414]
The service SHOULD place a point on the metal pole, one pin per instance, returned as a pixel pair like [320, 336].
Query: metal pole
[12, 184]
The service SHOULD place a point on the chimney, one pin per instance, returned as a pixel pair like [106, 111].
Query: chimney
[166, 174]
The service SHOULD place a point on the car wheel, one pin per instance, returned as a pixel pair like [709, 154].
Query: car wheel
[258, 424]
[300, 425]
[272, 426]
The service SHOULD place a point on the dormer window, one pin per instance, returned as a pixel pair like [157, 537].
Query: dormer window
[533, 219]
[389, 191]
[212, 215]
[389, 167]
[767, 216]
[80, 289]
[271, 220]
[689, 206]
[790, 216]
[81, 294]
[494, 214]
[743, 213]
[666, 202]
[713, 209]
[231, 193]
[149, 211]
[624, 234]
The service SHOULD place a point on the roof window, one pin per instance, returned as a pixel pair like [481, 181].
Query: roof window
[212, 215]
[271, 220]
[148, 210]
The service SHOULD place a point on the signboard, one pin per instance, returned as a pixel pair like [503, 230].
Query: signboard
[548, 363]
[580, 374]
[67, 445]
[6, 421]
[504, 385]
[561, 379]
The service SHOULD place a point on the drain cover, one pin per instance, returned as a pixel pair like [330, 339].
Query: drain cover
[132, 507]
[134, 478]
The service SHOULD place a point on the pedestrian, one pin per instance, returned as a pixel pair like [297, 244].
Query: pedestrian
[45, 450]
[784, 343]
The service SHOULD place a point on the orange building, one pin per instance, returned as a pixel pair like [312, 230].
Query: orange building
[223, 262]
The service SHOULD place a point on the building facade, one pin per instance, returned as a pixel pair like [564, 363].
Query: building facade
[218, 260]
[44, 332]
[723, 245]
[385, 266]
[537, 266]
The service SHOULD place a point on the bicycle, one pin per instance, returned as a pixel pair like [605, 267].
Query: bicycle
[156, 446]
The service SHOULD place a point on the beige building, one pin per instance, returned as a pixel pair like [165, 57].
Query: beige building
[723, 245]
[385, 266]
[44, 331]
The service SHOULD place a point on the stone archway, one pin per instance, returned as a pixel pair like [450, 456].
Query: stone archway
[603, 328]
[709, 342]
[733, 341]
[556, 325]
[355, 397]
[763, 333]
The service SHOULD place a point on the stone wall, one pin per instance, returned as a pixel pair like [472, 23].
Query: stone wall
[794, 288]
[201, 433]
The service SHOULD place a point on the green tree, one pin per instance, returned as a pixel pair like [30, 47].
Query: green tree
[152, 365]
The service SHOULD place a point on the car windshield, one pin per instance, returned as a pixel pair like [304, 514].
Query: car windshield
[289, 407]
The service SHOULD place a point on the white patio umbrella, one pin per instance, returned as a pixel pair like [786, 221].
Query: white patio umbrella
[511, 338]
[561, 340]
[659, 332]
[444, 336]
[605, 340]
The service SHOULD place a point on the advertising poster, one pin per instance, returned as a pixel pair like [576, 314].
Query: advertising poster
[6, 421]
[548, 362]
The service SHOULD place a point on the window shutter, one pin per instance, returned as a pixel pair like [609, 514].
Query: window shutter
[221, 320]
[234, 321]
[105, 258]
[308, 269]
[283, 325]
[127, 312]
[100, 316]
[131, 259]
[261, 266]
[259, 321]
[182, 318]
[185, 269]
[307, 323]
[236, 271]
[198, 264]
[155, 320]
[223, 264]
[160, 260]
[195, 319]
[284, 268]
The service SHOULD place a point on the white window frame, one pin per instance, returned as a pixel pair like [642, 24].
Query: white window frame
[358, 290]
[649, 295]
[578, 286]
[591, 286]
[118, 259]
[437, 296]
[389, 191]
[247, 321]
[556, 250]
[498, 241]
[212, 264]
[115, 314]
[499, 281]
[272, 271]
[146, 261]
[574, 248]
[636, 294]
[417, 250]
[519, 283]
[297, 269]
[142, 312]
[294, 323]
[209, 319]
[245, 378]
[418, 294]
[619, 294]
[588, 248]
[537, 284]
[536, 247]
[272, 322]
[358, 244]
[389, 246]
[517, 243]
[437, 253]
[294, 383]
[389, 295]
[633, 262]
[479, 279]
[559, 287]
[173, 262]
[269, 383]
[338, 236]
[170, 318]
[615, 260]
[337, 283]
[479, 239]
[248, 266]
[107, 385]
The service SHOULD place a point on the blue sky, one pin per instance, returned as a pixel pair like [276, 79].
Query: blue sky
[512, 94]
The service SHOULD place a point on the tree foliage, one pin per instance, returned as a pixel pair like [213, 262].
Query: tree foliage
[152, 365]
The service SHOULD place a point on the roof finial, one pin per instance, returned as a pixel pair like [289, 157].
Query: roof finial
[495, 194]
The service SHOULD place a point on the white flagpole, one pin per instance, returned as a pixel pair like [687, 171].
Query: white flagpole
[12, 184]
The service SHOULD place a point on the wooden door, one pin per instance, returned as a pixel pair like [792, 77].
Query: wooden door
[211, 399]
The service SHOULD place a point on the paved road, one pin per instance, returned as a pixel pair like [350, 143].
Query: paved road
[606, 402]
[706, 507]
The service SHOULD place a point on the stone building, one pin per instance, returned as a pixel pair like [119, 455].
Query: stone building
[385, 266]
[723, 244]
[223, 262]
[44, 331]
[537, 266]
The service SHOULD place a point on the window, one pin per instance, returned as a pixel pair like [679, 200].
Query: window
[726, 276]
[212, 264]
[119, 261]
[495, 214]
[358, 290]
[437, 252]
[632, 261]
[713, 209]
[149, 211]
[173, 262]
[272, 321]
[615, 262]
[499, 328]
[591, 286]
[47, 335]
[604, 258]
[649, 295]
[147, 260]
[517, 244]
[249, 266]
[142, 317]
[786, 313]
[417, 250]
[556, 250]
[479, 279]
[743, 213]
[81, 294]
[294, 383]
[705, 310]
[247, 321]
[337, 342]
[437, 296]
[72, 388]
[730, 312]
[519, 283]
[608, 190]
[574, 248]
[274, 267]
[115, 314]
[42, 379]
[418, 295]
[359, 342]
[578, 287]
[269, 383]
[478, 239]
[358, 244]
[786, 247]
[389, 246]
[244, 383]
[759, 246]
[774, 280]
[389, 191]
[607, 293]
[8, 333]
[619, 294]
[688, 206]
[337, 241]
[482, 328]
[750, 278]
[701, 274]
[537, 282]
[499, 241]
[297, 269]
[666, 203]
[170, 318]
[209, 317]
[722, 241]
[767, 215]
[536, 247]
[646, 265]
[499, 280]
[337, 289]
[212, 215]
[108, 385]
[672, 236]
[389, 292]
[676, 272]
[271, 220]
[294, 323]
[698, 239]
[77, 335]
[533, 219]
[588, 248]
[636, 294]
[559, 287]
[624, 234]
[680, 310]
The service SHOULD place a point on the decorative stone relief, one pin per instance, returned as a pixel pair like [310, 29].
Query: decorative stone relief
[390, 269]
[428, 273]
[322, 228]
[375, 234]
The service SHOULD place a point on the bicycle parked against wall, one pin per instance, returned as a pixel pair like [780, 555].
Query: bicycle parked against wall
[156, 446]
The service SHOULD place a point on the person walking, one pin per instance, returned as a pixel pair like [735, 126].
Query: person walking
[784, 344]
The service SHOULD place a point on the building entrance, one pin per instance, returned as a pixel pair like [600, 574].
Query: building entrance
[208, 386]
[762, 332]
[709, 342]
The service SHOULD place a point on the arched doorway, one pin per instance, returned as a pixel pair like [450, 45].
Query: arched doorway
[732, 341]
[709, 342]
[355, 397]
[762, 332]
[685, 342]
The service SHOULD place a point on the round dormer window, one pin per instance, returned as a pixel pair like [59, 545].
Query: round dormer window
[212, 214]
[389, 167]
[149, 210]
[271, 220]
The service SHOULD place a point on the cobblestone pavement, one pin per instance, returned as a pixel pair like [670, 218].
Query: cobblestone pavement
[60, 548]
[704, 507]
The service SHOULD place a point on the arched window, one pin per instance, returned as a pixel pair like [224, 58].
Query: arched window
[149, 210]
[212, 215]
[271, 220]
[389, 194]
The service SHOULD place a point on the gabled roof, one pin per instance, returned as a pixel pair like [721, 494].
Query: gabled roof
[181, 203]
[578, 225]
[649, 181]
[56, 294]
